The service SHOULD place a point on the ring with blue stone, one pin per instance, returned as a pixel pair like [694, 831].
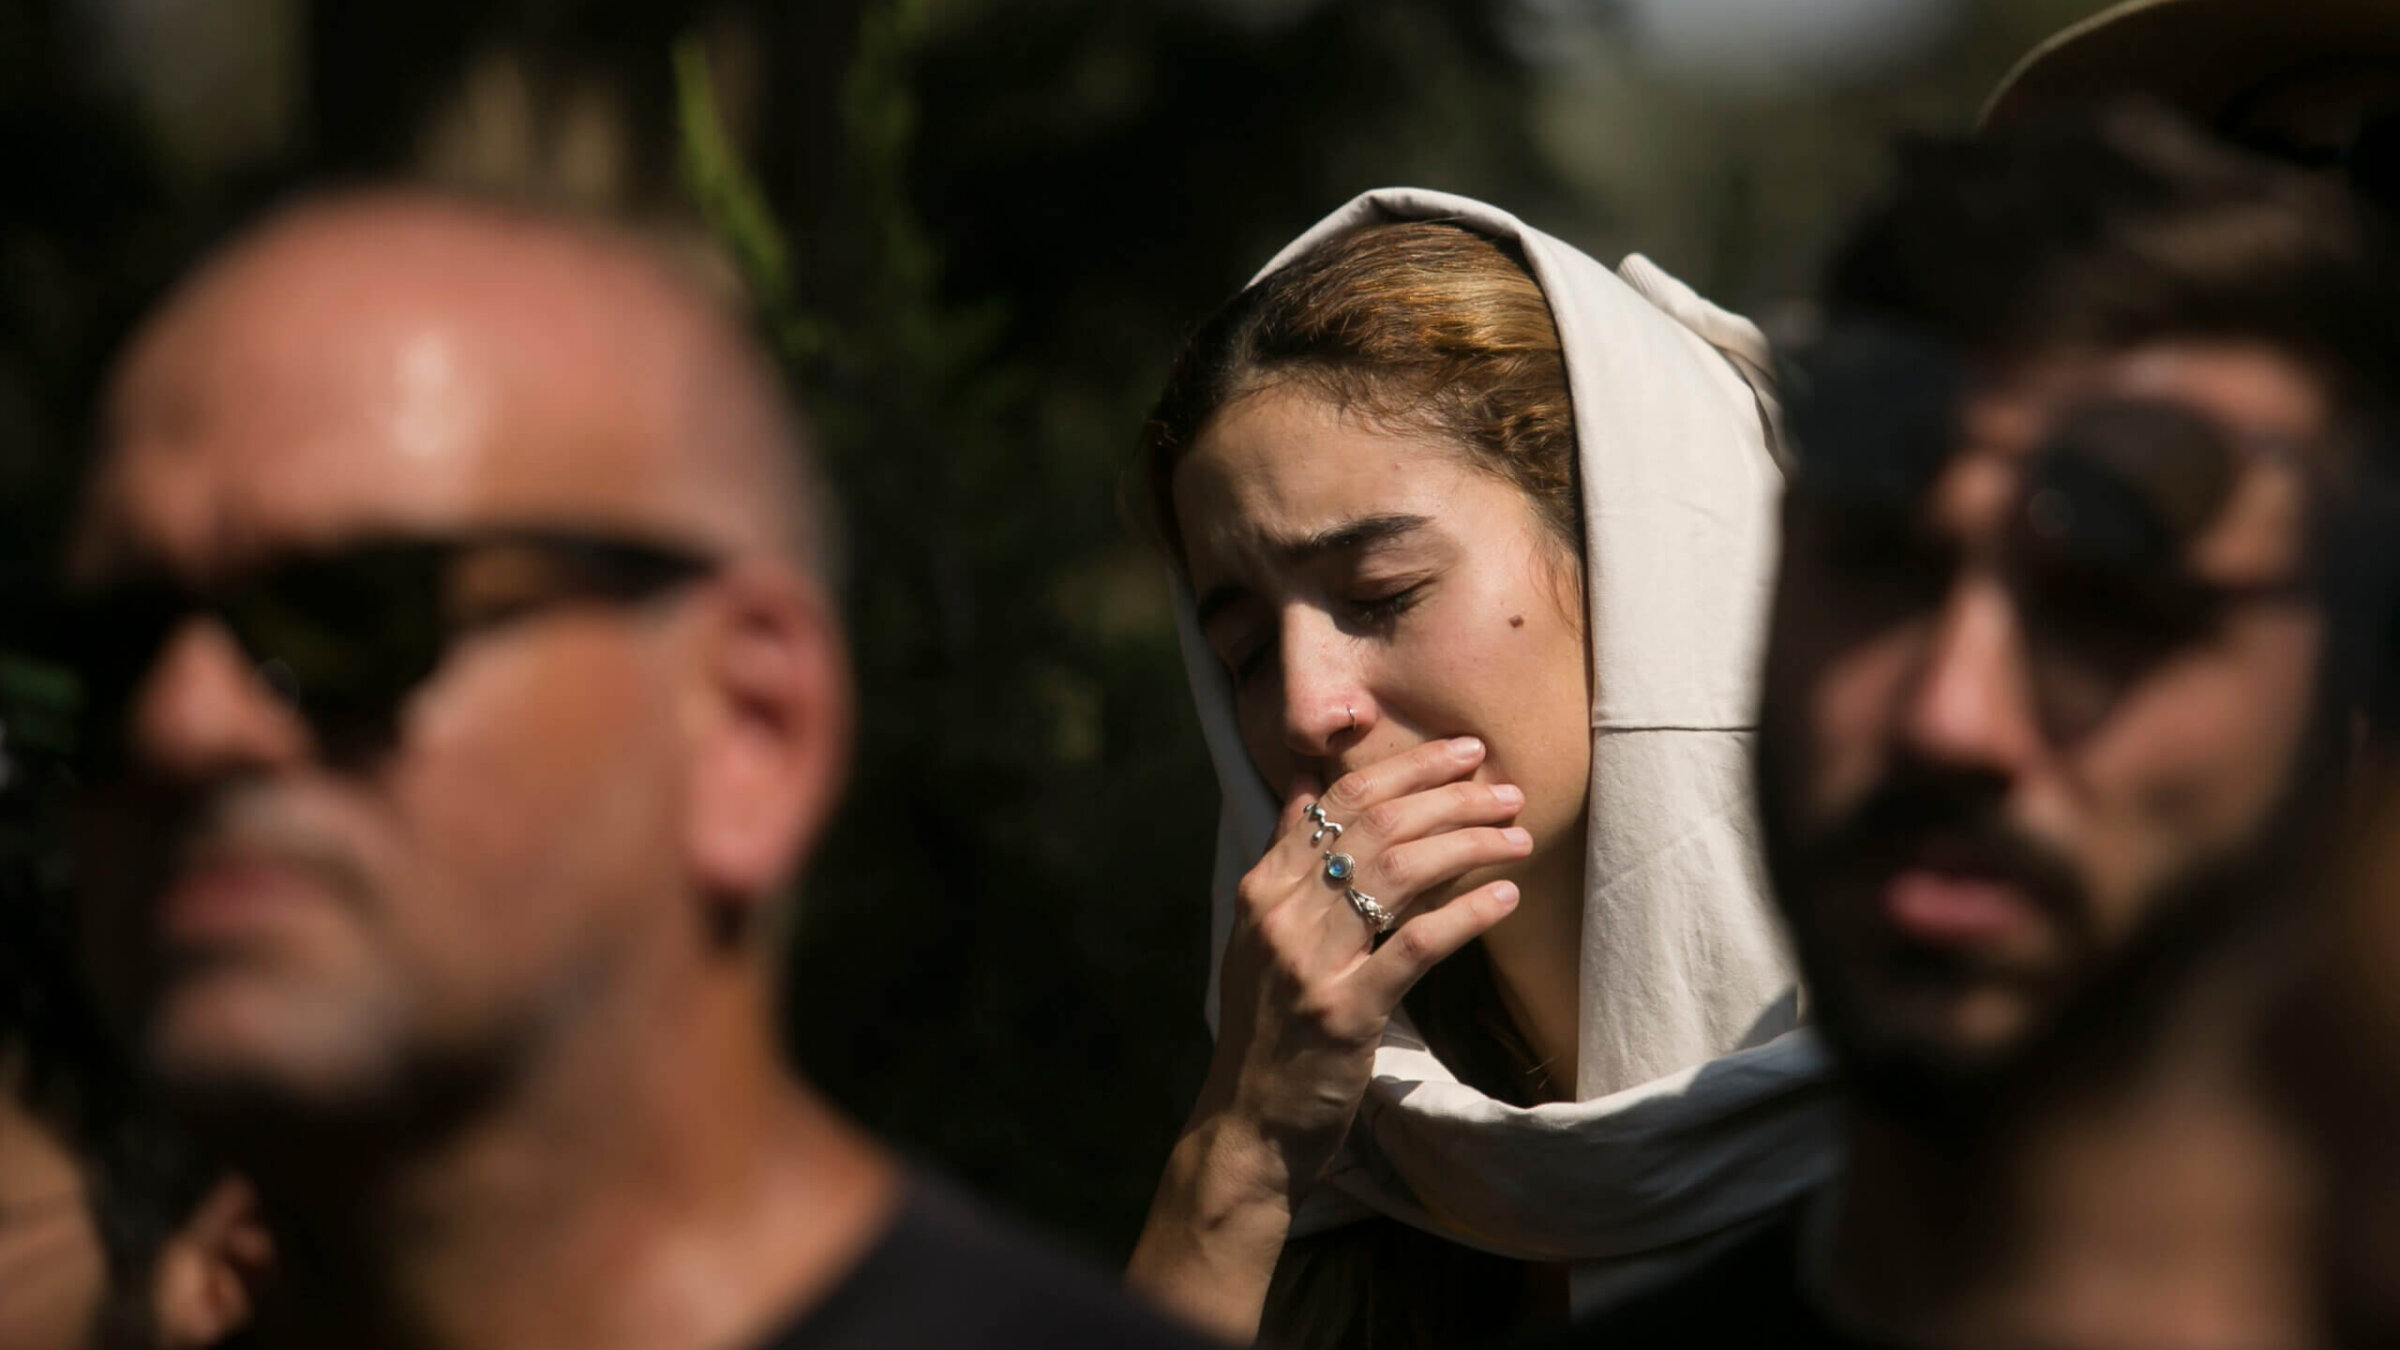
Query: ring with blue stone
[1340, 867]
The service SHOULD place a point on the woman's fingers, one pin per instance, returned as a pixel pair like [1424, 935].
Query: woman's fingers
[1452, 806]
[1397, 876]
[1414, 770]
[1306, 788]
[1427, 939]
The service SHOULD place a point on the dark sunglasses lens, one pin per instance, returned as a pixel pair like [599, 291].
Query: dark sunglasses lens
[2112, 509]
[2127, 487]
[344, 640]
[2374, 160]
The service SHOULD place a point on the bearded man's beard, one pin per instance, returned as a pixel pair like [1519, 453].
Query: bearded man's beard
[2098, 1009]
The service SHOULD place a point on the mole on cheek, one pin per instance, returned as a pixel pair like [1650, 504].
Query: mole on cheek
[1516, 621]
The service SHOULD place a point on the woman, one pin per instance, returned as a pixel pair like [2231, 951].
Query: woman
[1476, 538]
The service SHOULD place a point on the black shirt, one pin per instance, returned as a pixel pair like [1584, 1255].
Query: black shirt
[1746, 1295]
[946, 1274]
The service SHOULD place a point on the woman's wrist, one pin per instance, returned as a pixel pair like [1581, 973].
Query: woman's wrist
[1230, 1174]
[1216, 1229]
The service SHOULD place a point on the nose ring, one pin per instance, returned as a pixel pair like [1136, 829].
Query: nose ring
[1353, 714]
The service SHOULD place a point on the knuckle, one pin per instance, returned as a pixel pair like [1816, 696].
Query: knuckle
[1382, 819]
[1255, 896]
[1318, 1008]
[1345, 794]
[1289, 974]
[1417, 948]
[1252, 936]
[1399, 871]
[1491, 845]
[1274, 928]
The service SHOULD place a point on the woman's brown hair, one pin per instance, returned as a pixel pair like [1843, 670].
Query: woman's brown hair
[1421, 325]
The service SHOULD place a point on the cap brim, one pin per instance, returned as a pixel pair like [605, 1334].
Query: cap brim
[2194, 55]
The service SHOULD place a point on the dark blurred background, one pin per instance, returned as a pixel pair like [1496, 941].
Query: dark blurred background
[978, 228]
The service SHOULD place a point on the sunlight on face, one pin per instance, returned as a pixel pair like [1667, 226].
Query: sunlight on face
[1370, 591]
[272, 922]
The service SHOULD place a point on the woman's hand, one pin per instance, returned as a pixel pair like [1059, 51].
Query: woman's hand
[1305, 995]
[1306, 992]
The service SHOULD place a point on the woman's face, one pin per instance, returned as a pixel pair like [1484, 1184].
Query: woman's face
[1370, 590]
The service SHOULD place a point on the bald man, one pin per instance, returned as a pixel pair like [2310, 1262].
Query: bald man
[464, 693]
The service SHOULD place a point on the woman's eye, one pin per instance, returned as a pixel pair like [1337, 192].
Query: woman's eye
[1248, 659]
[1388, 606]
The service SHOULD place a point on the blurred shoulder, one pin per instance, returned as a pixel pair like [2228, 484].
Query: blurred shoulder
[1746, 1294]
[949, 1272]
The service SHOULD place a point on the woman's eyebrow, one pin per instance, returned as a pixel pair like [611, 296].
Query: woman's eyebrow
[1365, 532]
[1362, 533]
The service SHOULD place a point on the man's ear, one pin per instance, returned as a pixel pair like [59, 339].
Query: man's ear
[773, 739]
[210, 1273]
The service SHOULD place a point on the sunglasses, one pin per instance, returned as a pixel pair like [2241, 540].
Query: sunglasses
[2097, 547]
[343, 635]
[2369, 162]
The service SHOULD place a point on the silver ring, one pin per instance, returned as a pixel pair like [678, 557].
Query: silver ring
[1377, 917]
[1324, 827]
[1340, 866]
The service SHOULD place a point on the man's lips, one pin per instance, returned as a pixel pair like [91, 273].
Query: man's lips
[1942, 907]
[224, 897]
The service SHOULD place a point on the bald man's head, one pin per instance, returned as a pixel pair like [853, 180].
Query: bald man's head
[656, 397]
[457, 576]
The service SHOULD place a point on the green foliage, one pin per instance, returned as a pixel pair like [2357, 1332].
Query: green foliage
[977, 924]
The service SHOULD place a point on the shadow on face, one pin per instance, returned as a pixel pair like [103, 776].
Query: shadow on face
[1368, 591]
[2338, 115]
[2337, 1054]
[2021, 709]
[402, 574]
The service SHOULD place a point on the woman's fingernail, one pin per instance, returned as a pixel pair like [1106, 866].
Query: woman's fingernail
[1466, 747]
[1505, 895]
[1518, 835]
[1509, 794]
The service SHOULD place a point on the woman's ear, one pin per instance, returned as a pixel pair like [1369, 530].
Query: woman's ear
[210, 1273]
[772, 745]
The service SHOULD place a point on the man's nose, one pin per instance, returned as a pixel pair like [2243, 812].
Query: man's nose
[1969, 705]
[1325, 699]
[203, 711]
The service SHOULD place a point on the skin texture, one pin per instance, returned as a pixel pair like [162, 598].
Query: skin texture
[2188, 766]
[488, 1018]
[2184, 767]
[1404, 637]
[51, 1263]
[200, 1284]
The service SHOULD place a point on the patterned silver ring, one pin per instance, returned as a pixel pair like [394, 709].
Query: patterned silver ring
[1325, 827]
[1377, 917]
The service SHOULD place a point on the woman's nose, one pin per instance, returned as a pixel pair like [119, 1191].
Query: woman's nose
[1325, 700]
